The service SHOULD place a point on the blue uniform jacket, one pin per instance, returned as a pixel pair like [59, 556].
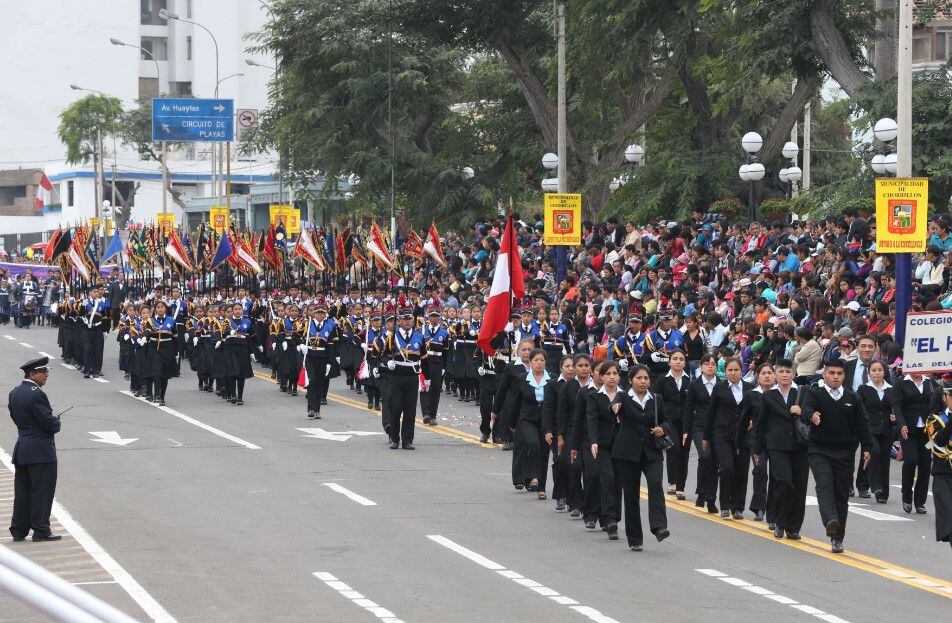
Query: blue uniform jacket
[31, 412]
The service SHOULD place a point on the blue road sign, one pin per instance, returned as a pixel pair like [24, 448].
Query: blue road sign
[193, 120]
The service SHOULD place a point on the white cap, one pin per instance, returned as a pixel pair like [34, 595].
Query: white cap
[852, 306]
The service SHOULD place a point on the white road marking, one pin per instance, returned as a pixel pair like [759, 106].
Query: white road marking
[67, 366]
[586, 611]
[45, 354]
[359, 600]
[860, 509]
[99, 379]
[769, 594]
[177, 444]
[333, 486]
[194, 422]
[10, 337]
[900, 487]
[112, 437]
[89, 583]
[25, 345]
[148, 604]
[320, 433]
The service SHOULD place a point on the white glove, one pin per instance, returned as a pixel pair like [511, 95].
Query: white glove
[480, 371]
[284, 345]
[185, 336]
[658, 357]
[302, 348]
[194, 341]
[218, 343]
[233, 332]
[327, 370]
[337, 359]
[375, 373]
[261, 349]
[509, 327]
[391, 365]
[126, 337]
[471, 332]
[141, 341]
[623, 364]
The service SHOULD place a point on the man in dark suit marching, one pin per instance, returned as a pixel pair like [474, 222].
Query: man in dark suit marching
[34, 454]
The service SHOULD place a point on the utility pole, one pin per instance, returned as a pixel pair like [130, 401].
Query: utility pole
[97, 158]
[806, 148]
[904, 157]
[561, 251]
[794, 131]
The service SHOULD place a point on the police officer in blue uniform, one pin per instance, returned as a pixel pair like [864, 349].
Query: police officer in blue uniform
[34, 454]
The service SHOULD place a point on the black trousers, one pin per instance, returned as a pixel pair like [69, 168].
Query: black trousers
[862, 473]
[916, 465]
[758, 498]
[789, 472]
[629, 475]
[592, 499]
[608, 487]
[33, 489]
[92, 350]
[430, 399]
[677, 457]
[487, 390]
[404, 390]
[942, 498]
[733, 465]
[706, 469]
[560, 470]
[316, 381]
[833, 473]
[879, 461]
[383, 386]
[518, 455]
[536, 451]
[574, 493]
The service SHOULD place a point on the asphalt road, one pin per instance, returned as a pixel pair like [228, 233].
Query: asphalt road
[225, 513]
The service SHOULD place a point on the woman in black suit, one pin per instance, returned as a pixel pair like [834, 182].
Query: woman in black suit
[602, 421]
[766, 379]
[672, 390]
[639, 416]
[915, 398]
[878, 398]
[723, 432]
[525, 404]
[550, 422]
[696, 407]
[568, 399]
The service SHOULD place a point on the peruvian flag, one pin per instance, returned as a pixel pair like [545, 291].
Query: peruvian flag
[176, 251]
[305, 248]
[507, 284]
[44, 193]
[378, 248]
[432, 245]
[243, 254]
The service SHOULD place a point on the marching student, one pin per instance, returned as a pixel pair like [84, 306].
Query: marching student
[878, 398]
[915, 398]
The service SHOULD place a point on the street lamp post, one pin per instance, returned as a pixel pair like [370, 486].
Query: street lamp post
[752, 171]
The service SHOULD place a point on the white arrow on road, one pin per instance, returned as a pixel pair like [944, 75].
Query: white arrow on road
[858, 508]
[111, 437]
[320, 433]
[219, 108]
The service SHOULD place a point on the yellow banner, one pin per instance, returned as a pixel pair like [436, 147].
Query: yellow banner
[294, 220]
[289, 215]
[94, 223]
[218, 219]
[165, 221]
[902, 210]
[563, 220]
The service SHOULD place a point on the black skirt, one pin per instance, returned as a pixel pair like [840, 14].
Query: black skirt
[463, 362]
[351, 355]
[240, 359]
[150, 362]
[942, 498]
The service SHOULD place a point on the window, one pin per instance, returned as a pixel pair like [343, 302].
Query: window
[69, 193]
[943, 45]
[149, 12]
[158, 46]
[188, 48]
[188, 9]
[180, 89]
[148, 88]
[922, 49]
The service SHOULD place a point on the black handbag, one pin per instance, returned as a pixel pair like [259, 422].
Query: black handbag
[664, 442]
[801, 430]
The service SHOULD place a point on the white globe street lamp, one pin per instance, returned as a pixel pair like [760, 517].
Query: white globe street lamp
[794, 174]
[790, 150]
[550, 161]
[879, 164]
[752, 142]
[468, 173]
[614, 184]
[550, 184]
[634, 153]
[743, 172]
[783, 176]
[891, 161]
[886, 129]
[755, 171]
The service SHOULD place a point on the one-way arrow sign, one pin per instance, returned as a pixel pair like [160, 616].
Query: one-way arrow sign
[320, 433]
[111, 437]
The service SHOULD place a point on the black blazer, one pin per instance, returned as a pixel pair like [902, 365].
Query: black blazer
[565, 409]
[31, 412]
[696, 406]
[774, 424]
[501, 400]
[633, 440]
[522, 403]
[724, 414]
[673, 399]
[580, 438]
[910, 405]
[550, 405]
[878, 411]
[602, 422]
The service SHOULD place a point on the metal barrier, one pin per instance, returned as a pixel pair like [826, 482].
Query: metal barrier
[48, 593]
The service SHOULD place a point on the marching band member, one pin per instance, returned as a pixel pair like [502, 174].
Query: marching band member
[403, 354]
[96, 322]
[436, 338]
[319, 349]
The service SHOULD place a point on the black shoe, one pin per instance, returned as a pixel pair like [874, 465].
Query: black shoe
[519, 487]
[408, 446]
[793, 536]
[612, 530]
[370, 406]
[907, 507]
[758, 515]
[921, 510]
[712, 508]
[484, 439]
[575, 514]
[394, 445]
[560, 505]
[233, 401]
[836, 546]
[359, 391]
[864, 493]
[662, 534]
[317, 415]
[48, 537]
[634, 548]
[238, 402]
[738, 515]
[426, 420]
[778, 532]
[161, 402]
[507, 446]
[590, 525]
[852, 492]
[17, 539]
[699, 503]
[323, 402]
[85, 375]
[832, 528]
[725, 514]
[310, 415]
[679, 495]
[771, 526]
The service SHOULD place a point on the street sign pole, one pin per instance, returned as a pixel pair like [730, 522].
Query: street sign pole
[561, 251]
[904, 157]
[165, 180]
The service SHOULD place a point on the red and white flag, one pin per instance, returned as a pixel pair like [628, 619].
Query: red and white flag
[243, 254]
[378, 248]
[44, 193]
[508, 284]
[176, 251]
[433, 246]
[305, 248]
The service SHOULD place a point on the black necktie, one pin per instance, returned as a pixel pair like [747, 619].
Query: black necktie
[865, 373]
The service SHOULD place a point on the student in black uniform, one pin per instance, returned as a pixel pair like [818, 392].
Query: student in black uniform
[878, 398]
[939, 431]
[551, 421]
[696, 408]
[672, 390]
[526, 400]
[602, 422]
[915, 397]
[568, 403]
[501, 411]
[838, 422]
[635, 452]
[582, 453]
[724, 434]
[766, 378]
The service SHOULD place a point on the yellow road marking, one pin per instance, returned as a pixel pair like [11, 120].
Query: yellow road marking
[819, 548]
[439, 429]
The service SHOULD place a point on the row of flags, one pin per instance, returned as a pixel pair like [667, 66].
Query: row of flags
[84, 249]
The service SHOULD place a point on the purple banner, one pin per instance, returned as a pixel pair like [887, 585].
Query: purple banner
[42, 271]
